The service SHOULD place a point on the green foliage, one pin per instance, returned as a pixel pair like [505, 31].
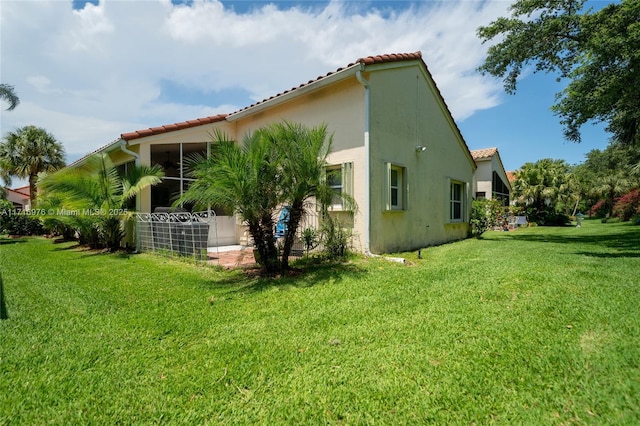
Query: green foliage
[485, 214]
[8, 93]
[596, 50]
[547, 190]
[27, 152]
[20, 224]
[336, 238]
[96, 196]
[13, 222]
[278, 165]
[310, 238]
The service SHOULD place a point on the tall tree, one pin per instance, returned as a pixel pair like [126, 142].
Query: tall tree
[8, 93]
[97, 187]
[541, 185]
[598, 51]
[28, 151]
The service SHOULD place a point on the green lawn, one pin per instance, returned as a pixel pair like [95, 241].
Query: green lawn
[536, 326]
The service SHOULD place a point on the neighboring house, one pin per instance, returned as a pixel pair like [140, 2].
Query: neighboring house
[398, 151]
[490, 181]
[19, 197]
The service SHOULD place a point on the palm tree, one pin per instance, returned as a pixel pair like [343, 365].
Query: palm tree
[8, 94]
[611, 186]
[28, 151]
[97, 189]
[278, 165]
[303, 155]
[242, 178]
[540, 185]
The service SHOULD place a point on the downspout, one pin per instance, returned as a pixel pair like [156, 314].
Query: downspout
[367, 168]
[136, 156]
[367, 162]
[123, 148]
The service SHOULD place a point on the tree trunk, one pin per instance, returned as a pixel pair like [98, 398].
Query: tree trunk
[32, 190]
[295, 216]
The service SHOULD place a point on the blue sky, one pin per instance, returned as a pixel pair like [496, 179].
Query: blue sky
[89, 71]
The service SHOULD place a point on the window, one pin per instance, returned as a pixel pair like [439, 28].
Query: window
[395, 187]
[500, 189]
[176, 179]
[481, 195]
[456, 201]
[340, 179]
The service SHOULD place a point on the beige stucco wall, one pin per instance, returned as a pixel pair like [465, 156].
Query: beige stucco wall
[405, 113]
[341, 107]
[483, 178]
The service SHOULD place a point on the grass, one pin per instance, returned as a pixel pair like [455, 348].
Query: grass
[536, 326]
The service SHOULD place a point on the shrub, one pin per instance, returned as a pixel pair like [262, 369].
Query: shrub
[336, 238]
[599, 209]
[627, 206]
[485, 214]
[20, 224]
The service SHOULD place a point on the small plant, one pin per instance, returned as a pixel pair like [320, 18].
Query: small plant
[310, 239]
[336, 238]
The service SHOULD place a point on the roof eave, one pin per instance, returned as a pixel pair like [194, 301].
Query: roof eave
[291, 94]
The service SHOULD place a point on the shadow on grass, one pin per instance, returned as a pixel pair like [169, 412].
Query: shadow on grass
[5, 240]
[308, 276]
[625, 240]
[4, 314]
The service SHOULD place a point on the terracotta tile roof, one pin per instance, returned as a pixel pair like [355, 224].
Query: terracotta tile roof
[369, 60]
[172, 127]
[481, 154]
[511, 176]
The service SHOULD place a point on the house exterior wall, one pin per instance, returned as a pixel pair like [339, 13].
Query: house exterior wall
[483, 178]
[341, 107]
[406, 112]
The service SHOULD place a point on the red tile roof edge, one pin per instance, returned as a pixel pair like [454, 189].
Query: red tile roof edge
[172, 127]
[479, 154]
[369, 60]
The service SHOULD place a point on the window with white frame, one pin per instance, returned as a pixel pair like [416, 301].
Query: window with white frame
[395, 187]
[171, 157]
[340, 179]
[456, 201]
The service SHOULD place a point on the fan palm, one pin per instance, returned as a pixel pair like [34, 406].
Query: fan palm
[28, 151]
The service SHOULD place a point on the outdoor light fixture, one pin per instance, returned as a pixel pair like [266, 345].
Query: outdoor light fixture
[421, 148]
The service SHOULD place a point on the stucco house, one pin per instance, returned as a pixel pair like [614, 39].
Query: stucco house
[398, 151]
[490, 181]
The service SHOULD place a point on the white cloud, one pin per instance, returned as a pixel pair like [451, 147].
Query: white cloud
[91, 74]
